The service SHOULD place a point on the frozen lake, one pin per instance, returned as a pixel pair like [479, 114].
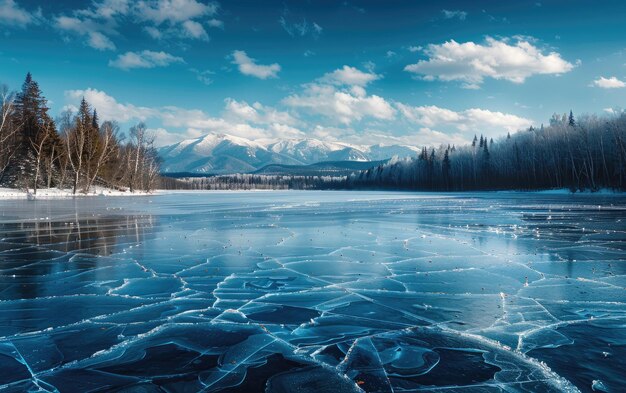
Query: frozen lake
[314, 292]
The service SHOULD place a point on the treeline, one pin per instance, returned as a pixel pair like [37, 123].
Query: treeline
[583, 154]
[75, 151]
[255, 182]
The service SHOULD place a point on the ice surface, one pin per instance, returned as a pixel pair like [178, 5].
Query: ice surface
[314, 292]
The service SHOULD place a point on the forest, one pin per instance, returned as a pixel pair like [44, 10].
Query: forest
[588, 153]
[75, 151]
[248, 181]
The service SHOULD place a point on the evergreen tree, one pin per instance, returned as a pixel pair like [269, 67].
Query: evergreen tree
[37, 133]
[95, 123]
[571, 122]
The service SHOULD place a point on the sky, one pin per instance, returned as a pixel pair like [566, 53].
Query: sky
[362, 72]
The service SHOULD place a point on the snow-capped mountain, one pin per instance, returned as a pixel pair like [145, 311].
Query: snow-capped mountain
[222, 153]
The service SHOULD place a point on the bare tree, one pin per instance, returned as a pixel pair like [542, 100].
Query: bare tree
[75, 137]
[39, 144]
[8, 129]
[107, 146]
[140, 145]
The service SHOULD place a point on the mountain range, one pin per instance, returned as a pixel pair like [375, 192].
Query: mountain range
[223, 154]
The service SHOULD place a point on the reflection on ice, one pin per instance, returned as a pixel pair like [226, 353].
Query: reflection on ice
[314, 292]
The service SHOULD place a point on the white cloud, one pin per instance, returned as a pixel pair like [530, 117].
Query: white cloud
[422, 137]
[429, 116]
[241, 111]
[195, 30]
[471, 63]
[176, 18]
[108, 108]
[349, 76]
[144, 59]
[11, 14]
[248, 66]
[91, 30]
[154, 32]
[106, 9]
[173, 11]
[99, 41]
[215, 23]
[343, 106]
[474, 120]
[163, 137]
[608, 83]
[159, 18]
[194, 121]
[456, 14]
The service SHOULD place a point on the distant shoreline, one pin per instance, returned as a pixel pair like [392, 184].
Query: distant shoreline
[54, 193]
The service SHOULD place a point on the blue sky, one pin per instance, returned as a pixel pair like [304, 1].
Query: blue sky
[358, 71]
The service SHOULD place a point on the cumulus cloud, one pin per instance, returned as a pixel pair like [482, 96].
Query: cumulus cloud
[254, 121]
[471, 63]
[144, 59]
[249, 66]
[473, 120]
[341, 105]
[349, 76]
[455, 14]
[11, 14]
[256, 113]
[107, 106]
[608, 83]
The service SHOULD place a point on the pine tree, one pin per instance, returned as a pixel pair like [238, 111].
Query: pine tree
[37, 134]
[474, 141]
[481, 141]
[95, 123]
[570, 121]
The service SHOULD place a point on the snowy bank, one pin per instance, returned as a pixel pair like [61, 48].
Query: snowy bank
[55, 193]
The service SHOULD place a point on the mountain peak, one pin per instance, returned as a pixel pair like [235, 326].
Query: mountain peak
[220, 153]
